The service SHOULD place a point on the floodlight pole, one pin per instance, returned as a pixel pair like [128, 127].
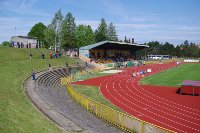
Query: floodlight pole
[15, 30]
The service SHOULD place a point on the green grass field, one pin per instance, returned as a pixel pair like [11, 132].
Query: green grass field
[17, 114]
[174, 76]
[93, 93]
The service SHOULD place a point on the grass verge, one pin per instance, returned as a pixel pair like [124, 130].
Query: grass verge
[93, 92]
[17, 114]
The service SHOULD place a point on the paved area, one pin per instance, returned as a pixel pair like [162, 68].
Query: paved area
[52, 99]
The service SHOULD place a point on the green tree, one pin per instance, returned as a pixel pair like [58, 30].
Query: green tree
[38, 31]
[84, 35]
[54, 29]
[68, 32]
[101, 33]
[112, 34]
[50, 36]
[194, 50]
[167, 49]
[185, 49]
[178, 51]
[6, 43]
[154, 47]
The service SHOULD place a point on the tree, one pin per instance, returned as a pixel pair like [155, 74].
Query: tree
[6, 43]
[54, 29]
[101, 33]
[194, 50]
[167, 49]
[112, 34]
[84, 35]
[68, 32]
[187, 49]
[186, 42]
[178, 51]
[50, 36]
[154, 47]
[38, 31]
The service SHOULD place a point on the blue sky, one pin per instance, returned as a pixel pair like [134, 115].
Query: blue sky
[145, 20]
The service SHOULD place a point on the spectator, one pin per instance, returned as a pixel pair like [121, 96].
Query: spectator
[59, 55]
[43, 56]
[33, 74]
[49, 66]
[126, 64]
[30, 56]
[51, 55]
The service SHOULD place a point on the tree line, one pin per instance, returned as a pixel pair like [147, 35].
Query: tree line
[62, 31]
[186, 49]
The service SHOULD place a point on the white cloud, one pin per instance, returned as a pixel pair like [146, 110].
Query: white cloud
[8, 24]
[22, 7]
[136, 25]
[20, 14]
[22, 3]
[145, 18]
[174, 34]
[114, 7]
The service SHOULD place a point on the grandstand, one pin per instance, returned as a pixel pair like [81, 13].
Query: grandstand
[106, 52]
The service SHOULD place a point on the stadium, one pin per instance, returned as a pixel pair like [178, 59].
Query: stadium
[158, 96]
[99, 66]
[146, 107]
[149, 103]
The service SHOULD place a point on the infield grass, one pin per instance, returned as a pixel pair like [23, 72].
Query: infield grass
[174, 76]
[17, 114]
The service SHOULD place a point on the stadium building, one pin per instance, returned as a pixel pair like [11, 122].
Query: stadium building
[108, 52]
[24, 42]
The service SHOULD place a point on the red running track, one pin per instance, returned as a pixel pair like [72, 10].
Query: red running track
[159, 105]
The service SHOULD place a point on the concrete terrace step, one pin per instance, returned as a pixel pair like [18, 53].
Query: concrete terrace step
[52, 99]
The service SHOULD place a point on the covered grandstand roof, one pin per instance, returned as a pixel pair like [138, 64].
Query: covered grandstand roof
[111, 42]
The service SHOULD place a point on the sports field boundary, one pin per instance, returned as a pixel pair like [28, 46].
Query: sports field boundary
[123, 121]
